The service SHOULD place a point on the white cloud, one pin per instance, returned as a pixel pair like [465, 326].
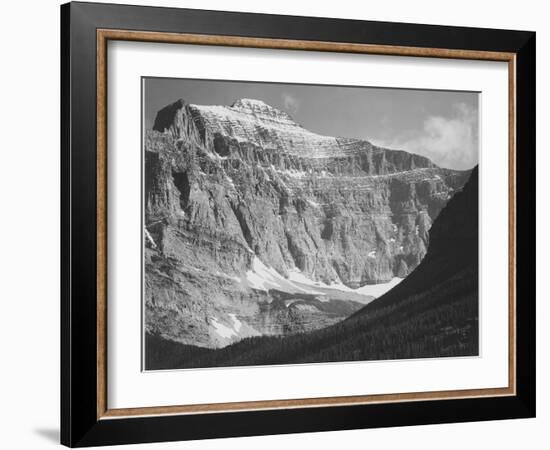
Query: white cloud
[290, 102]
[450, 142]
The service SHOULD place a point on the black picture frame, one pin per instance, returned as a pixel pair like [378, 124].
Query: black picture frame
[80, 425]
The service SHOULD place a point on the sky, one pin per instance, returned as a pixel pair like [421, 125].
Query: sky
[442, 125]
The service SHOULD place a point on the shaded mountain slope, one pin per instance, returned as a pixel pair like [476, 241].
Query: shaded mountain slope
[453, 247]
[432, 313]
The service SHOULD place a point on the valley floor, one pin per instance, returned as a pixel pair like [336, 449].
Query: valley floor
[441, 322]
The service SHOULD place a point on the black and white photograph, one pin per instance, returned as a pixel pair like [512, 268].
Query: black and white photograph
[288, 224]
[275, 225]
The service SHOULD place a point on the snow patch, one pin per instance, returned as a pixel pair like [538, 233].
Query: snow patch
[372, 254]
[373, 290]
[150, 238]
[306, 307]
[293, 173]
[237, 324]
[265, 278]
[297, 276]
[229, 277]
[376, 290]
[222, 330]
[230, 182]
[248, 122]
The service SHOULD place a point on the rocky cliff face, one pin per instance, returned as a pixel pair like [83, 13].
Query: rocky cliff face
[255, 225]
[433, 313]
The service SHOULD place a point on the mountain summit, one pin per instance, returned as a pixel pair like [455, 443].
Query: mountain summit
[259, 108]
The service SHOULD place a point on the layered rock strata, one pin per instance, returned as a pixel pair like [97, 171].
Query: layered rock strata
[255, 225]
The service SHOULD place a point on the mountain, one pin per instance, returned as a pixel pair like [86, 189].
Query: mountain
[432, 313]
[255, 225]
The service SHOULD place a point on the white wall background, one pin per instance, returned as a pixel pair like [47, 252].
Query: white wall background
[29, 224]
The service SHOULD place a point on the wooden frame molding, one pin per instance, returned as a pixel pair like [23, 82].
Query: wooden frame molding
[103, 36]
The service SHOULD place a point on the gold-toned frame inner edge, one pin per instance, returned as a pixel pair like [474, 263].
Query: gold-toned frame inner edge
[104, 35]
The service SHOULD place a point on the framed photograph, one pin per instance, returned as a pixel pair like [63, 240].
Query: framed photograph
[276, 224]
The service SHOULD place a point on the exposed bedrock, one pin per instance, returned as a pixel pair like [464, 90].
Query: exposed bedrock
[238, 195]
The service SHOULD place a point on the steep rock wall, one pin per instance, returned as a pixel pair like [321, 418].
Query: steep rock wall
[231, 189]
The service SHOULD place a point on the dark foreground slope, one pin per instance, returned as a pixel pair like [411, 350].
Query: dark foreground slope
[432, 313]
